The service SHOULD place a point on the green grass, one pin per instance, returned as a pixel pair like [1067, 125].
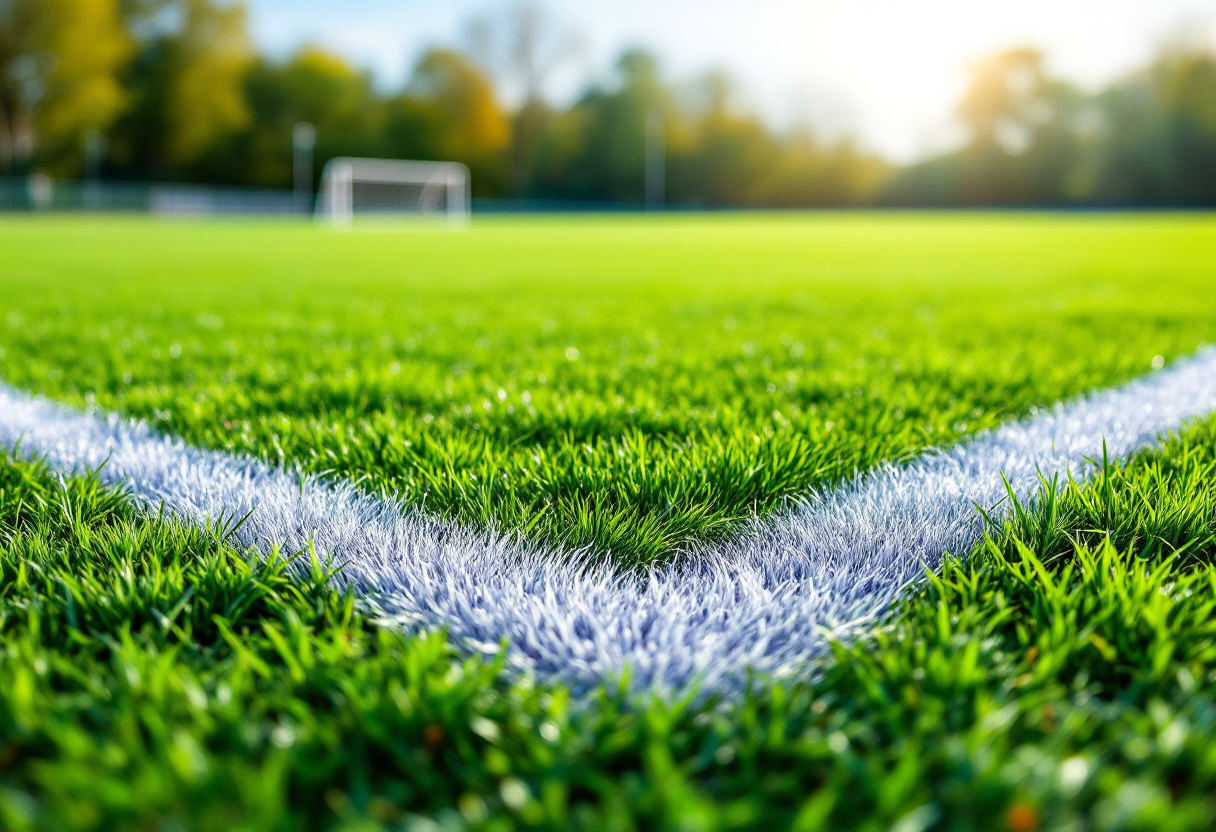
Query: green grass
[634, 385]
[151, 677]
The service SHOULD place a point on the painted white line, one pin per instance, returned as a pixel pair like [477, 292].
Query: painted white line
[830, 563]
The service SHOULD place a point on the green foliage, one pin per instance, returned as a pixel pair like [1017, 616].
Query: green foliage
[60, 62]
[1158, 147]
[604, 155]
[151, 676]
[716, 152]
[312, 86]
[632, 386]
[449, 111]
[187, 82]
[1148, 139]
[192, 101]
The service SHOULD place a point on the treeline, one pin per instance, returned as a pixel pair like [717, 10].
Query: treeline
[1147, 140]
[173, 90]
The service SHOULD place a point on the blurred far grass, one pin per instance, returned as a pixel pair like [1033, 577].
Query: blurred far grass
[632, 384]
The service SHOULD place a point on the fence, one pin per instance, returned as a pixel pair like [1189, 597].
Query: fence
[39, 193]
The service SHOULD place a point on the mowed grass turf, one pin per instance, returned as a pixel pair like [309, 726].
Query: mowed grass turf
[1063, 676]
[635, 384]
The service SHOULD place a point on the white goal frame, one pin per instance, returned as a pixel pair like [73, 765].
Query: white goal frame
[443, 190]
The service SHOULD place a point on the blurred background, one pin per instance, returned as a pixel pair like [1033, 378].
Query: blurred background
[613, 105]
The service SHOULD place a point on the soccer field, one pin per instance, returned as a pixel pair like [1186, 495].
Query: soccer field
[630, 397]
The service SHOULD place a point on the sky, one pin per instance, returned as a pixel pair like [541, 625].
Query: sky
[888, 72]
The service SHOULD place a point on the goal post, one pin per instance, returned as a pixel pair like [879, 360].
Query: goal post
[352, 188]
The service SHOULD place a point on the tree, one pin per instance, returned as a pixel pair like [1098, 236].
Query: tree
[59, 66]
[209, 57]
[1023, 131]
[523, 46]
[312, 86]
[187, 82]
[449, 112]
[597, 150]
[1131, 163]
[1158, 133]
[717, 155]
[1186, 83]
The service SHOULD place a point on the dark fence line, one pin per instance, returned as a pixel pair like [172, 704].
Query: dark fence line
[41, 194]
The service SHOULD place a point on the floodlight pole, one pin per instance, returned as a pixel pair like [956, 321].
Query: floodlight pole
[656, 160]
[303, 139]
[94, 148]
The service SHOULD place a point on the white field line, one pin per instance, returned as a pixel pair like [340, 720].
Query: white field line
[831, 563]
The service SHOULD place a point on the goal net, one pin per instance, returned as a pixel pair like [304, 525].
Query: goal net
[353, 188]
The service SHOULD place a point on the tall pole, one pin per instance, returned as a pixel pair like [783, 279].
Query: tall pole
[303, 139]
[656, 160]
[94, 148]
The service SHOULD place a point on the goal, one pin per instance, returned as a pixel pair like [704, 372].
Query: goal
[353, 188]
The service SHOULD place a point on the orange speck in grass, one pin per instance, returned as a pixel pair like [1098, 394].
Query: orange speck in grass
[1022, 818]
[432, 735]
